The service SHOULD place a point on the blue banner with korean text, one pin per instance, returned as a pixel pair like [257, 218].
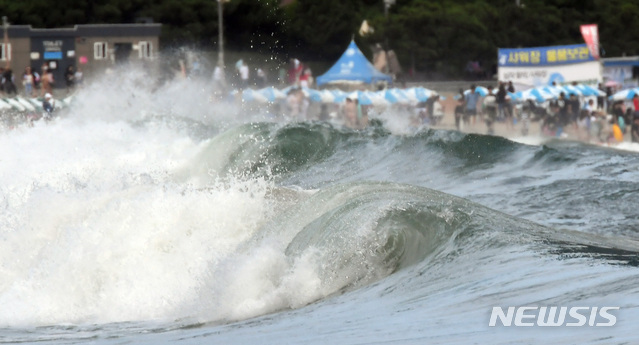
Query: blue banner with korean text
[544, 56]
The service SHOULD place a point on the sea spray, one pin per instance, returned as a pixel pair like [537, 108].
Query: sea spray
[99, 231]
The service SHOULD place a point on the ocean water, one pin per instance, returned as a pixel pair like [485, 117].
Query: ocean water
[153, 215]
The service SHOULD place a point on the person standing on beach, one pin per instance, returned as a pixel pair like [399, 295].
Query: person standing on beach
[350, 112]
[218, 79]
[490, 106]
[244, 75]
[295, 71]
[48, 105]
[471, 104]
[261, 78]
[8, 83]
[511, 109]
[69, 78]
[28, 82]
[634, 130]
[47, 80]
[501, 102]
[459, 109]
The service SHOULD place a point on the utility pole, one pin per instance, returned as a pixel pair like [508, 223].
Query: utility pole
[5, 28]
[387, 5]
[220, 29]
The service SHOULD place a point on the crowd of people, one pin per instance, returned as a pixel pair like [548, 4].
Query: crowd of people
[581, 118]
[589, 119]
[36, 84]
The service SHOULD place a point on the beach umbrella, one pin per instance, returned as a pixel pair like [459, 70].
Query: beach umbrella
[572, 90]
[424, 94]
[364, 98]
[361, 97]
[37, 103]
[419, 94]
[411, 94]
[482, 91]
[516, 96]
[588, 90]
[376, 98]
[271, 94]
[626, 94]
[539, 94]
[26, 104]
[545, 95]
[250, 95]
[553, 90]
[287, 89]
[4, 105]
[612, 83]
[466, 92]
[339, 96]
[15, 104]
[312, 94]
[396, 95]
[391, 97]
[327, 96]
[536, 94]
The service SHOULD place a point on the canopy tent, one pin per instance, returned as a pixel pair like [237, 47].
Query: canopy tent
[352, 66]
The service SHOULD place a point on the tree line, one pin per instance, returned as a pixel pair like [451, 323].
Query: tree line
[434, 37]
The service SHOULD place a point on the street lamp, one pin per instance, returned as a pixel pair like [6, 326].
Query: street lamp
[5, 28]
[387, 5]
[220, 29]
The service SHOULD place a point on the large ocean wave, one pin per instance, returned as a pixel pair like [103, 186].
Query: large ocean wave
[182, 217]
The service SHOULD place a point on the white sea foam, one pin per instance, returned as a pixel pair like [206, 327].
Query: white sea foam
[99, 223]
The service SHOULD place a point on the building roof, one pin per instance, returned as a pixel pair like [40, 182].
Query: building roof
[621, 61]
[91, 30]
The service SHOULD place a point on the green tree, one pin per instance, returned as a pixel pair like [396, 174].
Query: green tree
[434, 36]
[322, 28]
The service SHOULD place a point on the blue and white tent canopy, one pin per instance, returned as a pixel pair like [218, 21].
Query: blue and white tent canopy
[353, 66]
[22, 104]
[625, 95]
[539, 95]
[250, 95]
[546, 93]
[411, 96]
[420, 94]
[271, 94]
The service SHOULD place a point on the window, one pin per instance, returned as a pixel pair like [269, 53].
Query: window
[145, 49]
[5, 52]
[100, 50]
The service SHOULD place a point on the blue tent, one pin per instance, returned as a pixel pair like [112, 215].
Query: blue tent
[353, 66]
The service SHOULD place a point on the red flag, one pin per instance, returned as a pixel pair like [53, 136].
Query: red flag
[591, 36]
